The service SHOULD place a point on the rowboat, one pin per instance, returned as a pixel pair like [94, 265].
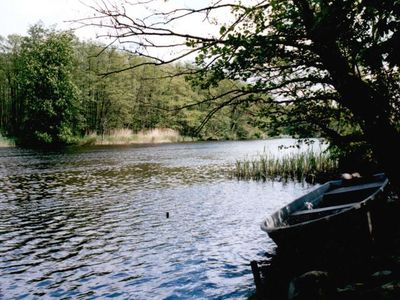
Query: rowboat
[339, 212]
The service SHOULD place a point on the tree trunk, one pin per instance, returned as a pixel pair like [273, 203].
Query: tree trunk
[370, 107]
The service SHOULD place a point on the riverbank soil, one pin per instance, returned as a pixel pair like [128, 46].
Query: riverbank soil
[357, 271]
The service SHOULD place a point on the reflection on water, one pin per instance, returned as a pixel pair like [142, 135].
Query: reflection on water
[91, 223]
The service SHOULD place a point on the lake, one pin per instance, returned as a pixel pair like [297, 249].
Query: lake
[92, 222]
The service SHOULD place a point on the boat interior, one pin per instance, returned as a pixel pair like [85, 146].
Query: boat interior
[334, 201]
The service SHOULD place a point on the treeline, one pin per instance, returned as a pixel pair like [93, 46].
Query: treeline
[55, 89]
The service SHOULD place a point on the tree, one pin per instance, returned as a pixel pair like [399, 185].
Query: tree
[138, 99]
[106, 101]
[49, 108]
[320, 56]
[9, 109]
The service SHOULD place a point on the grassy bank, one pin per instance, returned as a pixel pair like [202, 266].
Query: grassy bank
[308, 165]
[126, 137]
[6, 142]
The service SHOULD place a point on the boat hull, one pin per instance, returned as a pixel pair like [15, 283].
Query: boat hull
[330, 228]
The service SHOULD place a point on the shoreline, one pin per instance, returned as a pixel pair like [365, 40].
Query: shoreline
[133, 139]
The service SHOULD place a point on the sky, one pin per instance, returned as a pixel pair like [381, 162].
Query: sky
[16, 16]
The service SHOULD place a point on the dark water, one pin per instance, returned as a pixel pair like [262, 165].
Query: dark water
[91, 223]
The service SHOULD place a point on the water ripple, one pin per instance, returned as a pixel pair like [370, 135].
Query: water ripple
[91, 223]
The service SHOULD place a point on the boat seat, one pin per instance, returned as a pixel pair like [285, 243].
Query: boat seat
[323, 209]
[313, 214]
[354, 188]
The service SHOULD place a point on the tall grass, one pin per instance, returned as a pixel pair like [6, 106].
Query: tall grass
[308, 165]
[126, 137]
[6, 142]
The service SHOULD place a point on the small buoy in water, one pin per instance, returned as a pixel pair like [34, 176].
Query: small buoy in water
[167, 214]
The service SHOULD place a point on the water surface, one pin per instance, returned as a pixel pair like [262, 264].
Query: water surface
[91, 223]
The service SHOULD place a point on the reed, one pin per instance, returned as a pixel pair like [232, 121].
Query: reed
[308, 165]
[126, 137]
[6, 142]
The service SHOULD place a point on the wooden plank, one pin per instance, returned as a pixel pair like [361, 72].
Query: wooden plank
[256, 274]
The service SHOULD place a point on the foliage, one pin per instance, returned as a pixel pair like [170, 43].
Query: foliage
[282, 46]
[6, 142]
[146, 97]
[55, 88]
[331, 62]
[47, 94]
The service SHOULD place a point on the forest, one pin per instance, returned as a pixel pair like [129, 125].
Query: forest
[56, 89]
